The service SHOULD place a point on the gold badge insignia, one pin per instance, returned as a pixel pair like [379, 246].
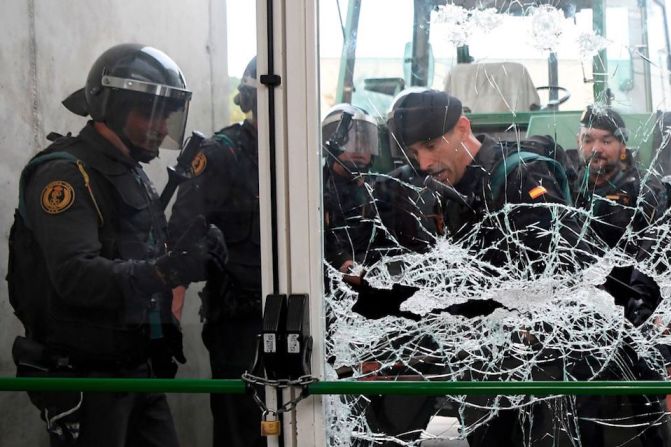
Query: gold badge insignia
[620, 198]
[198, 164]
[57, 197]
[537, 192]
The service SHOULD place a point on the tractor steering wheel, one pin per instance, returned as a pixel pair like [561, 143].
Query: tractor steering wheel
[555, 103]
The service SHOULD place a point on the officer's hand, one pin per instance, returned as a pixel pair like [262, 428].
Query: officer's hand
[178, 294]
[199, 252]
[349, 277]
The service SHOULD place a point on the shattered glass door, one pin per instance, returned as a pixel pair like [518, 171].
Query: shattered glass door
[496, 209]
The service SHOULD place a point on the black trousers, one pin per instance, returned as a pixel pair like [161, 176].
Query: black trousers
[123, 419]
[645, 415]
[617, 420]
[237, 418]
[543, 423]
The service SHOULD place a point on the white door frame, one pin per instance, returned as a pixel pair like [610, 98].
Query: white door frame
[298, 183]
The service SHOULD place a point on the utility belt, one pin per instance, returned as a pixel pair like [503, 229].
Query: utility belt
[34, 359]
[225, 298]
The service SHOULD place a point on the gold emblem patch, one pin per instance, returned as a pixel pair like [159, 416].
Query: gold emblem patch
[537, 192]
[621, 198]
[57, 197]
[198, 164]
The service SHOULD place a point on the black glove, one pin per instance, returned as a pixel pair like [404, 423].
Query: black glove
[167, 352]
[172, 334]
[201, 251]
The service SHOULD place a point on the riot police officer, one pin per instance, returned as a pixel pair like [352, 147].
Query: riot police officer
[609, 179]
[350, 141]
[226, 191]
[610, 187]
[89, 273]
[466, 170]
[411, 213]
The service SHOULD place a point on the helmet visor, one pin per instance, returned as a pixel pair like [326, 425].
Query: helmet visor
[156, 122]
[361, 136]
[155, 114]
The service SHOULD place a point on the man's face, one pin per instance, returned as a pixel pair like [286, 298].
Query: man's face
[442, 157]
[600, 150]
[146, 131]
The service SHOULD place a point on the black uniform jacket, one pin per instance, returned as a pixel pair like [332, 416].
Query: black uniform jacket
[98, 245]
[525, 233]
[349, 219]
[411, 213]
[621, 202]
[225, 190]
[512, 228]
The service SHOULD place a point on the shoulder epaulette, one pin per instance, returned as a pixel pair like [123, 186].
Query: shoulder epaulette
[511, 161]
[224, 136]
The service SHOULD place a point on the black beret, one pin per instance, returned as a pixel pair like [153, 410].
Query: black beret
[423, 115]
[605, 119]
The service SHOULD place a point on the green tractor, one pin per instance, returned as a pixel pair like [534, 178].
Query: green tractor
[520, 68]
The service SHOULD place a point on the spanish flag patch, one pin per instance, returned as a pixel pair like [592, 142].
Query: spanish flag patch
[536, 192]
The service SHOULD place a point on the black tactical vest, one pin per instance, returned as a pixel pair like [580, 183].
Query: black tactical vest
[349, 218]
[131, 226]
[236, 294]
[238, 219]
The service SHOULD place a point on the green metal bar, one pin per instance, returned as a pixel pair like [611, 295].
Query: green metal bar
[123, 385]
[550, 388]
[464, 55]
[600, 61]
[518, 118]
[645, 52]
[347, 59]
[438, 388]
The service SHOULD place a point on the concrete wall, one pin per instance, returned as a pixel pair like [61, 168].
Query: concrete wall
[45, 54]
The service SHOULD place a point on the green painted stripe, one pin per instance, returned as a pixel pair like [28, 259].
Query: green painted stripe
[601, 388]
[123, 385]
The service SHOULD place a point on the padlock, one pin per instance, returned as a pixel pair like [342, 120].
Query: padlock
[270, 426]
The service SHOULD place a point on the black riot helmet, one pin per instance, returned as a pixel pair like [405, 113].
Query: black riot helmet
[246, 97]
[421, 114]
[138, 92]
[347, 128]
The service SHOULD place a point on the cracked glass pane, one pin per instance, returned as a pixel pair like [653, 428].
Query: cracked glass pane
[496, 209]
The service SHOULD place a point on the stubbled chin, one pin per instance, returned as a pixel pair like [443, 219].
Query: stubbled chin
[601, 169]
